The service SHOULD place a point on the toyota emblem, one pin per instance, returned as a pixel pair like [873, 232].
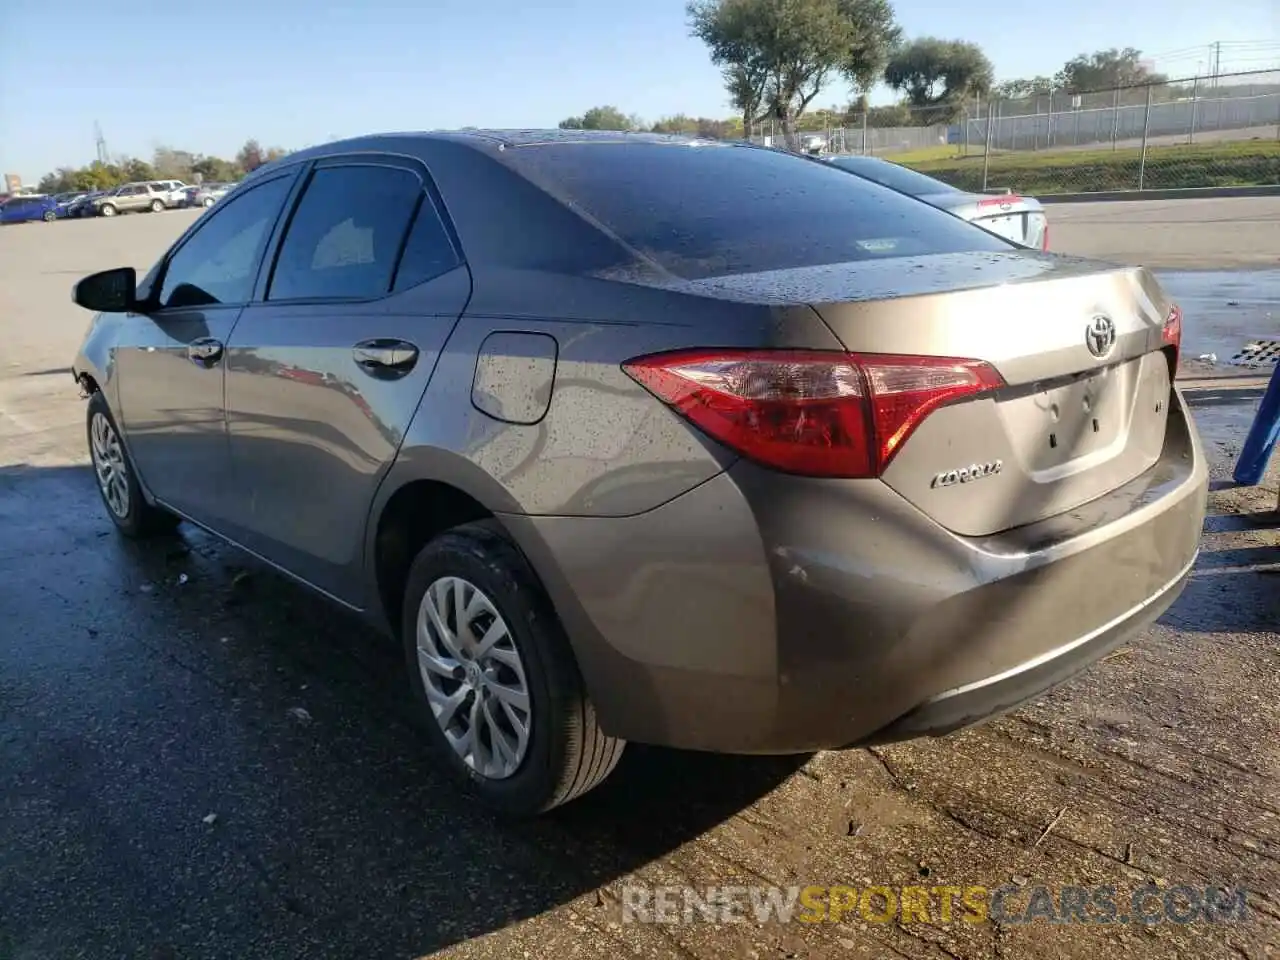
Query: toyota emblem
[1100, 336]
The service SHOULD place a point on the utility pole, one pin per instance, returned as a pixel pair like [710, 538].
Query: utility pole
[1217, 61]
[100, 142]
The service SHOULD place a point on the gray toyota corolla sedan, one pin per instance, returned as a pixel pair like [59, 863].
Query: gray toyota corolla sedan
[1020, 219]
[642, 438]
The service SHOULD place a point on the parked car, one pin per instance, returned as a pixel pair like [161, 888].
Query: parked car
[618, 456]
[65, 200]
[1020, 219]
[21, 209]
[132, 197]
[206, 195]
[83, 207]
[173, 192]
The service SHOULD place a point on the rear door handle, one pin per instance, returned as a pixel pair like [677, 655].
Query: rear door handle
[205, 352]
[383, 356]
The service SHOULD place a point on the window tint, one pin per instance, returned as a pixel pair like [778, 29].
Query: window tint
[428, 252]
[218, 263]
[710, 210]
[346, 233]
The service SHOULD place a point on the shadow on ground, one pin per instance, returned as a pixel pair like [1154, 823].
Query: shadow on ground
[145, 688]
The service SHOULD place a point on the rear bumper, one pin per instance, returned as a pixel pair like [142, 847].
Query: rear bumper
[982, 699]
[767, 614]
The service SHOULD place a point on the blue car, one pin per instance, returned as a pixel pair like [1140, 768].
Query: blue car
[22, 209]
[65, 200]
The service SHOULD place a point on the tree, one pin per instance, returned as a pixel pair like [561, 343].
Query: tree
[1105, 70]
[894, 115]
[135, 169]
[60, 181]
[704, 127]
[600, 118]
[1022, 88]
[937, 76]
[251, 156]
[746, 85]
[172, 163]
[778, 55]
[215, 170]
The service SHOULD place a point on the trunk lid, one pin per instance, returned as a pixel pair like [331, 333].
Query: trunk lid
[1068, 427]
[1020, 219]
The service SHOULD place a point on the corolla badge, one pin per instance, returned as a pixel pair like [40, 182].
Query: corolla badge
[975, 471]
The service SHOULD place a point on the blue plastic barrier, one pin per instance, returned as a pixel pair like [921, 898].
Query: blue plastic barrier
[1262, 436]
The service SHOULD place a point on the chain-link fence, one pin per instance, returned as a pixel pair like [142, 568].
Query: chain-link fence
[1196, 132]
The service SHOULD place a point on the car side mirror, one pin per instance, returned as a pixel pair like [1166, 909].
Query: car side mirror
[111, 291]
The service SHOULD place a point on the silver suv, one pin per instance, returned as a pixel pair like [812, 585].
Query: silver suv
[132, 197]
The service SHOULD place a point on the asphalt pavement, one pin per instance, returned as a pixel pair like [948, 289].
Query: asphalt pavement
[199, 759]
[1199, 234]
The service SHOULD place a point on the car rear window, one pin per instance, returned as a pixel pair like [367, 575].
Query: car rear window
[893, 175]
[708, 209]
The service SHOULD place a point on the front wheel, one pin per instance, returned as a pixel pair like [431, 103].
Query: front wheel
[208, 201]
[50, 216]
[121, 495]
[108, 210]
[502, 698]
[157, 206]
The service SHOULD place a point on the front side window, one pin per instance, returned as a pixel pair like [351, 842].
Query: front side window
[346, 234]
[219, 262]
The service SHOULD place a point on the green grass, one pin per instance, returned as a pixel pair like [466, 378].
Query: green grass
[944, 151]
[1236, 163]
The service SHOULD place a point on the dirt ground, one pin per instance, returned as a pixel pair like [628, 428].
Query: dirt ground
[145, 689]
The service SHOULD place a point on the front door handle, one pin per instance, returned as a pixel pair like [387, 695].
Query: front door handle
[205, 352]
[383, 357]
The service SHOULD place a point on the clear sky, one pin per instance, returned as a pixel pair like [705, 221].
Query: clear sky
[205, 77]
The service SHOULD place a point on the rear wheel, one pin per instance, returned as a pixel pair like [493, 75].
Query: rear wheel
[117, 483]
[208, 201]
[50, 216]
[108, 210]
[502, 698]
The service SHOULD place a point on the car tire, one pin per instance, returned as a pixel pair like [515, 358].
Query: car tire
[107, 210]
[117, 480]
[50, 216]
[207, 201]
[565, 753]
[157, 206]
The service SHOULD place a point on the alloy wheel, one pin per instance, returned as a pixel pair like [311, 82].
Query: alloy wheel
[474, 677]
[109, 465]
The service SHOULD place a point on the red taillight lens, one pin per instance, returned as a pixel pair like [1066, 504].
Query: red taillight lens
[814, 413]
[1171, 333]
[1044, 238]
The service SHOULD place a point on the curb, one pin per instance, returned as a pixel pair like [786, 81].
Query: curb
[1182, 193]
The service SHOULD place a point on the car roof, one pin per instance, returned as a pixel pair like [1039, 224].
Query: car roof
[488, 138]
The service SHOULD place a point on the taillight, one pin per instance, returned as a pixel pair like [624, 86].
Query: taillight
[1171, 334]
[815, 413]
[1044, 238]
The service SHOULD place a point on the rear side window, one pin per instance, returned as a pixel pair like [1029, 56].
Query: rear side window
[346, 234]
[428, 252]
[711, 210]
